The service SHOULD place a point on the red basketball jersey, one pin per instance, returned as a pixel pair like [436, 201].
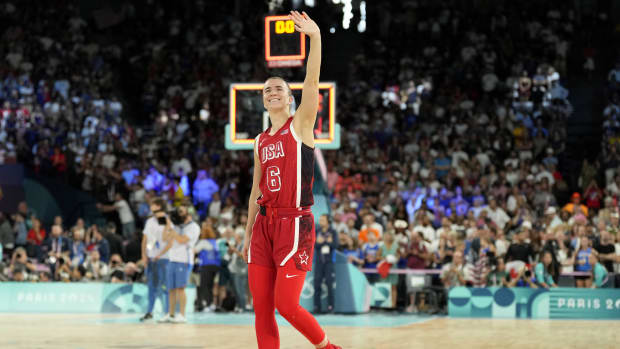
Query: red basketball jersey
[287, 166]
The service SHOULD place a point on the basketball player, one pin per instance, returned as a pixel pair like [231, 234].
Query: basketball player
[279, 237]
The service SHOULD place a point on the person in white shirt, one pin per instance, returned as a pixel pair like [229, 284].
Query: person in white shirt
[181, 254]
[497, 214]
[552, 217]
[426, 230]
[124, 213]
[155, 256]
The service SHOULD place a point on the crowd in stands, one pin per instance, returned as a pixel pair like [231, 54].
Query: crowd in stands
[451, 152]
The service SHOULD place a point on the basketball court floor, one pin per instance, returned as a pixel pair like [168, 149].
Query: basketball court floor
[370, 331]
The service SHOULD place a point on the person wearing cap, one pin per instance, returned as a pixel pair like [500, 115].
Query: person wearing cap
[575, 206]
[604, 214]
[551, 218]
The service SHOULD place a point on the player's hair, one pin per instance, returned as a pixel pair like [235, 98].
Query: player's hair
[290, 92]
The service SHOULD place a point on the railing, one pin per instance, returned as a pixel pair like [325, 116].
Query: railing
[438, 271]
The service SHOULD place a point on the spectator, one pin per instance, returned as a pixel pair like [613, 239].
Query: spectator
[574, 207]
[349, 247]
[544, 271]
[583, 263]
[99, 243]
[370, 251]
[498, 276]
[96, 270]
[36, 236]
[203, 189]
[239, 271]
[209, 261]
[599, 273]
[78, 248]
[20, 267]
[497, 214]
[57, 245]
[370, 227]
[551, 219]
[325, 246]
[7, 237]
[224, 284]
[606, 251]
[520, 250]
[124, 213]
[524, 278]
[453, 274]
[388, 253]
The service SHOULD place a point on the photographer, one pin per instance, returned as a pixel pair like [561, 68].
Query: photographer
[183, 235]
[57, 245]
[62, 268]
[155, 256]
[524, 278]
[96, 269]
[20, 266]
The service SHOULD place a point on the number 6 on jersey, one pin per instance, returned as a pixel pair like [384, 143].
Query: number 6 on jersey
[273, 178]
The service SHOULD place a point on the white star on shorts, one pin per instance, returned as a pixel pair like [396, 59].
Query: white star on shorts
[304, 258]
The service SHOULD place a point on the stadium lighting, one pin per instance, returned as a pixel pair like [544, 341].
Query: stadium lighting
[347, 13]
[309, 3]
[361, 26]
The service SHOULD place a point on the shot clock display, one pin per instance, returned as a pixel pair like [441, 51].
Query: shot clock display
[284, 47]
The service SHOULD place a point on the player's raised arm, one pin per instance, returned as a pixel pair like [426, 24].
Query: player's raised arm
[305, 116]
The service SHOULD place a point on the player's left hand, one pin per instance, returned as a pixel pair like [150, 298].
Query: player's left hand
[304, 24]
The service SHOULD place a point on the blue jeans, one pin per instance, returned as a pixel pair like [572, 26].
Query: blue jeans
[241, 284]
[156, 281]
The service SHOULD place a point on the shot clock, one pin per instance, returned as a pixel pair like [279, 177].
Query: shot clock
[284, 47]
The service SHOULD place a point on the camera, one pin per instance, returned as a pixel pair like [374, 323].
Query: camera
[176, 218]
[528, 274]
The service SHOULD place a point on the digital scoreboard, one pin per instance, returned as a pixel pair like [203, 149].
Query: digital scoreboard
[284, 47]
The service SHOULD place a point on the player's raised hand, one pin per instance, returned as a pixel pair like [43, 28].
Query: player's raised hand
[304, 24]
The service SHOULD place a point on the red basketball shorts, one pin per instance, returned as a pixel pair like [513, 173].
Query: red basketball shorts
[282, 234]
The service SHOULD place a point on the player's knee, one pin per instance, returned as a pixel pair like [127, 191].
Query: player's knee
[286, 308]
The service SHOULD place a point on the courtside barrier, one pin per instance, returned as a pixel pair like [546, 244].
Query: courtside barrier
[534, 303]
[62, 297]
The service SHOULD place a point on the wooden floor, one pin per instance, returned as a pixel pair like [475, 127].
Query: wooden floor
[32, 331]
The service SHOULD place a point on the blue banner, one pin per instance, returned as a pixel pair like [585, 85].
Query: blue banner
[555, 303]
[60, 297]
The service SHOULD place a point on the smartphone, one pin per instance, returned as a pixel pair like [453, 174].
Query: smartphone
[161, 220]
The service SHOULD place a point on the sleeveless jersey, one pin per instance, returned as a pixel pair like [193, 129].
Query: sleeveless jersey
[287, 166]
